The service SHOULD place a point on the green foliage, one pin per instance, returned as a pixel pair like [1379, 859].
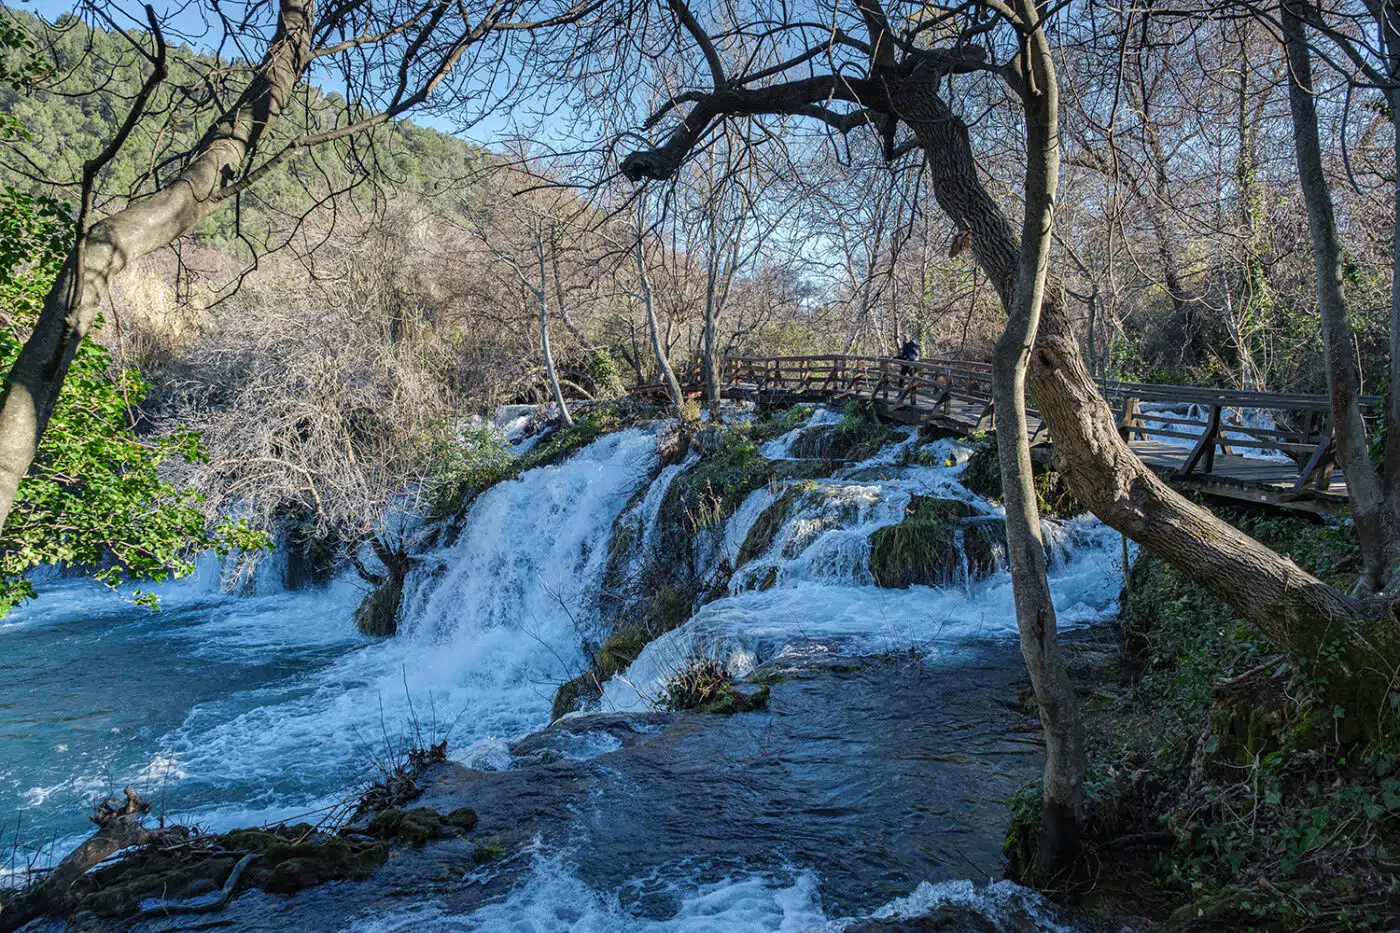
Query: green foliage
[859, 435]
[1278, 815]
[602, 370]
[94, 496]
[467, 461]
[72, 105]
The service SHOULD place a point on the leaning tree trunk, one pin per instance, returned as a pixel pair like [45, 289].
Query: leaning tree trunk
[1380, 540]
[668, 375]
[1345, 637]
[72, 305]
[1062, 790]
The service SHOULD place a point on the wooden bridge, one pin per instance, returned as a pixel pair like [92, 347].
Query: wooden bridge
[1270, 447]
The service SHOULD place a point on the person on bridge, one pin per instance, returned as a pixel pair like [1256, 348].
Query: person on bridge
[909, 350]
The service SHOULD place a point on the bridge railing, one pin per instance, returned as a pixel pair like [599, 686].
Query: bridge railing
[1207, 420]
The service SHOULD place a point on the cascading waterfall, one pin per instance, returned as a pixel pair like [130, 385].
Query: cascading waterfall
[267, 706]
[812, 584]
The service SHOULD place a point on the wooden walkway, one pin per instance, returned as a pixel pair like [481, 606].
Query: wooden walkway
[1264, 447]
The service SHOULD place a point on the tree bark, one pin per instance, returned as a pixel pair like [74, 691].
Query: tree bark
[1345, 638]
[668, 375]
[33, 384]
[1387, 16]
[543, 296]
[1380, 541]
[1062, 789]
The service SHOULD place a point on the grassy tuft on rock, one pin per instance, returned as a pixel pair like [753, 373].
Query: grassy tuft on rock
[924, 549]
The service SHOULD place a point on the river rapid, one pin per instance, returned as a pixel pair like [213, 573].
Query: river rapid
[873, 785]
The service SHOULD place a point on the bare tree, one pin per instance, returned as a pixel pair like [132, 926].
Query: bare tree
[395, 56]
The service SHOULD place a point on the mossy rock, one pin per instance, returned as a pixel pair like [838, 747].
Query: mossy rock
[119, 889]
[851, 440]
[1052, 494]
[414, 827]
[464, 818]
[378, 614]
[765, 528]
[283, 865]
[923, 548]
[878, 473]
[287, 867]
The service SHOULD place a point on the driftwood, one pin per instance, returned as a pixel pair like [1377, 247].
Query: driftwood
[118, 827]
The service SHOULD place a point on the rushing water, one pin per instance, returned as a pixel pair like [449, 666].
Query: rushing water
[237, 710]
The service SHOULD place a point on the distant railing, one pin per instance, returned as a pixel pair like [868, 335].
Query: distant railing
[1298, 425]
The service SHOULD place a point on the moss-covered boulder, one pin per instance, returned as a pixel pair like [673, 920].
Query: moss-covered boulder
[415, 826]
[930, 545]
[378, 614]
[286, 859]
[1052, 493]
[854, 438]
[287, 867]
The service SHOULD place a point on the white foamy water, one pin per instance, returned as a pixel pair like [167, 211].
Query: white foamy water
[823, 592]
[780, 448]
[552, 899]
[235, 711]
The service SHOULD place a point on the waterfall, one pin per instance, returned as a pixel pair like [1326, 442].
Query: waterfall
[490, 624]
[811, 585]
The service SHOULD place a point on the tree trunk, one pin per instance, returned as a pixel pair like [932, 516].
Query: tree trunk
[1295, 610]
[543, 295]
[707, 345]
[1380, 543]
[1062, 791]
[1387, 14]
[34, 382]
[673, 388]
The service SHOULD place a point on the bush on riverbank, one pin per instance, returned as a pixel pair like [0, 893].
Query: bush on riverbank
[1220, 790]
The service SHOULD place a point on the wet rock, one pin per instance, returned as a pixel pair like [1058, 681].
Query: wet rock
[464, 818]
[378, 614]
[285, 868]
[414, 827]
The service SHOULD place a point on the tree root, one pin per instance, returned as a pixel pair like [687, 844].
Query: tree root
[197, 905]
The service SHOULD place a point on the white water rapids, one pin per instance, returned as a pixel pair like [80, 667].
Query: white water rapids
[232, 711]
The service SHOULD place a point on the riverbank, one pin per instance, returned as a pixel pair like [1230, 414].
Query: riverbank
[1221, 793]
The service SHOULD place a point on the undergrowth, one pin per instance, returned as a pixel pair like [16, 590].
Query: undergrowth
[1221, 791]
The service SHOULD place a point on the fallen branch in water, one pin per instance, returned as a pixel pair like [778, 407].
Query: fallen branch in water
[196, 906]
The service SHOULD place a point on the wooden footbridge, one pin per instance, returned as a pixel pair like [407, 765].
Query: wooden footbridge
[1270, 447]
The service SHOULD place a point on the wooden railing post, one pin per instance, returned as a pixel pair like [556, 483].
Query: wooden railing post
[1129, 419]
[1205, 447]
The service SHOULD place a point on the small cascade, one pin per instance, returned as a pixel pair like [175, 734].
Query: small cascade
[780, 448]
[803, 578]
[825, 535]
